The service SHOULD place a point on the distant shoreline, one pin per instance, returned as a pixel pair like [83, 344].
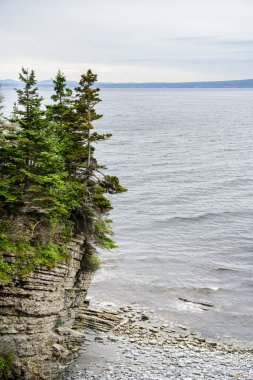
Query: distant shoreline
[245, 83]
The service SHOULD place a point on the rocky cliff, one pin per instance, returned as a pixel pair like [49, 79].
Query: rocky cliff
[39, 314]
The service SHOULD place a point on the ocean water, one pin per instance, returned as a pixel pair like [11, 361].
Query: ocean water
[185, 226]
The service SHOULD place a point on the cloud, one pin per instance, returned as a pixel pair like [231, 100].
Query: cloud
[165, 39]
[237, 42]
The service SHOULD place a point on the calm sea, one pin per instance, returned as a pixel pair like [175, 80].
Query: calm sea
[185, 226]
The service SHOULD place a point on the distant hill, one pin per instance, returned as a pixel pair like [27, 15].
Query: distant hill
[49, 83]
[245, 83]
[10, 83]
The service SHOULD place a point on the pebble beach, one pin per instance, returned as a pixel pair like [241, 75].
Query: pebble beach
[138, 349]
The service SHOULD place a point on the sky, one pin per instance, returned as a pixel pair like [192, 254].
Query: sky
[128, 40]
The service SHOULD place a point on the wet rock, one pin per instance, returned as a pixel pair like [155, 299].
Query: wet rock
[99, 339]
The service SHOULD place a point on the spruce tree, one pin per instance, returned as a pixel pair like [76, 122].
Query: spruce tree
[1, 120]
[10, 176]
[83, 166]
[44, 186]
[1, 105]
[51, 185]
[61, 100]
[80, 118]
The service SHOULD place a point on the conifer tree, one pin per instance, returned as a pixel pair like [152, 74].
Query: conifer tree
[79, 119]
[61, 100]
[1, 115]
[94, 206]
[1, 120]
[9, 165]
[43, 167]
[51, 185]
[2, 139]
[1, 105]
[35, 198]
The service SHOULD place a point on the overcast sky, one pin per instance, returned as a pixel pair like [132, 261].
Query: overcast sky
[128, 40]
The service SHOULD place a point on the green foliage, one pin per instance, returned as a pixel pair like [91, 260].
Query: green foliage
[6, 361]
[51, 185]
[92, 262]
[61, 100]
[1, 104]
[28, 256]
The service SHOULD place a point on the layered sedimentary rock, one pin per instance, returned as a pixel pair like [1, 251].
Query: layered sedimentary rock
[38, 316]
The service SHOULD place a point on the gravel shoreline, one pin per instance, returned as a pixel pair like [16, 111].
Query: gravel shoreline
[138, 349]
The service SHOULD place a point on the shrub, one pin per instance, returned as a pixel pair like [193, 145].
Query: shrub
[6, 362]
[92, 262]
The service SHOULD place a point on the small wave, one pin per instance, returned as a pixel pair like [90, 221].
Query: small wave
[204, 216]
[223, 269]
[206, 290]
[155, 287]
[230, 149]
[187, 307]
[215, 288]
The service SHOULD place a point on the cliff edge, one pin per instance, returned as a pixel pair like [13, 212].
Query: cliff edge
[54, 213]
[38, 315]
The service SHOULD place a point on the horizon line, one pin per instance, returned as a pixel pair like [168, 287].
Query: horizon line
[142, 82]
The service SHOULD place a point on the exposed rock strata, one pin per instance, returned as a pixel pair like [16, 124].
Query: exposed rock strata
[97, 320]
[38, 316]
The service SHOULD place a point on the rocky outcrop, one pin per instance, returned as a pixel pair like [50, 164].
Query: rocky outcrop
[97, 320]
[38, 316]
